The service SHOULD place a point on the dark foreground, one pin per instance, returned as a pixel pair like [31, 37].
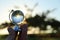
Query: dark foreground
[35, 37]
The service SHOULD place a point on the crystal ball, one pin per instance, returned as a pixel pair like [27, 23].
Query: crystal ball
[17, 16]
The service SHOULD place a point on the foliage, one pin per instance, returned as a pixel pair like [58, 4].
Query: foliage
[40, 21]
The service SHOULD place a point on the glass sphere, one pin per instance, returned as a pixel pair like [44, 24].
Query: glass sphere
[17, 16]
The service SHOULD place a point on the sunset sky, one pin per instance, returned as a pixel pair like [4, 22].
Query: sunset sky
[43, 5]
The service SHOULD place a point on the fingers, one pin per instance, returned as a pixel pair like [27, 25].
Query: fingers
[11, 31]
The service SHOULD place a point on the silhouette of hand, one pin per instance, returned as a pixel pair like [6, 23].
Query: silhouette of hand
[12, 34]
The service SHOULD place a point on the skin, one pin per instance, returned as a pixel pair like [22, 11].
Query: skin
[21, 36]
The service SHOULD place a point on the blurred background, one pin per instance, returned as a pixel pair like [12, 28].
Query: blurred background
[42, 16]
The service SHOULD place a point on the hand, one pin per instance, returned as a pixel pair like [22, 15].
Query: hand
[23, 34]
[12, 34]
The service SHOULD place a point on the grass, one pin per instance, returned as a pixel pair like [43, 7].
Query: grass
[32, 37]
[3, 37]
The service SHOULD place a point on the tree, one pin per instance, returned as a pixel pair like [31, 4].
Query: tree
[41, 23]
